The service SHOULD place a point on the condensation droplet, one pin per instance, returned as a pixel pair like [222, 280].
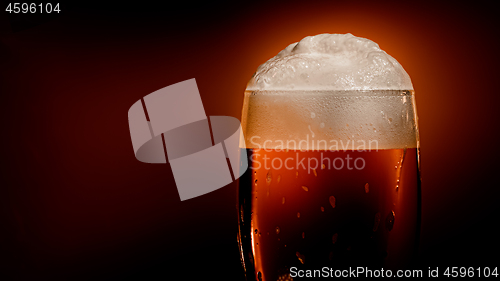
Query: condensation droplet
[376, 222]
[334, 238]
[322, 209]
[269, 177]
[283, 200]
[389, 221]
[256, 231]
[367, 187]
[323, 166]
[279, 178]
[255, 182]
[332, 201]
[298, 215]
[297, 174]
[310, 130]
[301, 257]
[313, 114]
[314, 172]
[259, 276]
[397, 187]
[303, 235]
[277, 230]
[305, 188]
[321, 125]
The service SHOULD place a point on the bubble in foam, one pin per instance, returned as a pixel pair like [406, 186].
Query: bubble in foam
[331, 62]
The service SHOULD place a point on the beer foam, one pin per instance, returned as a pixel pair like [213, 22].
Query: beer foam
[331, 62]
[330, 92]
[330, 120]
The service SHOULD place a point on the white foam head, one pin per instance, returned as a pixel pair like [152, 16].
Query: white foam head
[330, 87]
[331, 62]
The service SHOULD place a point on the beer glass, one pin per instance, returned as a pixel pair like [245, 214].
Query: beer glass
[333, 178]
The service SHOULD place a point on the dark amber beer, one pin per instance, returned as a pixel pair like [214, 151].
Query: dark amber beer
[326, 215]
[331, 138]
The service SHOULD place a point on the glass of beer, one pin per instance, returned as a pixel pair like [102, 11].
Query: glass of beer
[331, 138]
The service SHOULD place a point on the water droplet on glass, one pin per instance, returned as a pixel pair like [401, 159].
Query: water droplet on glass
[314, 172]
[322, 209]
[283, 200]
[303, 235]
[298, 215]
[313, 114]
[256, 231]
[376, 222]
[277, 230]
[332, 201]
[301, 257]
[321, 125]
[323, 166]
[367, 187]
[310, 130]
[297, 174]
[259, 276]
[279, 178]
[389, 221]
[334, 238]
[305, 188]
[255, 182]
[269, 177]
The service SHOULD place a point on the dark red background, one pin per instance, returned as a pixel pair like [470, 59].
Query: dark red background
[75, 203]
